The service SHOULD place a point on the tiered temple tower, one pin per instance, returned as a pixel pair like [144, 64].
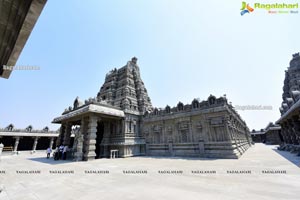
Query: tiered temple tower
[125, 89]
[290, 107]
[291, 85]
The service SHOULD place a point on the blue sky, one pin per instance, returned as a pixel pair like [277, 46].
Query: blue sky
[186, 49]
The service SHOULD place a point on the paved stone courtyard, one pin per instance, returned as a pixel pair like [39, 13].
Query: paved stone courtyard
[261, 173]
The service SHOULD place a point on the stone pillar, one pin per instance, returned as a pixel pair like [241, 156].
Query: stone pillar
[227, 131]
[132, 127]
[60, 136]
[163, 133]
[296, 124]
[201, 148]
[292, 132]
[51, 142]
[147, 149]
[123, 127]
[283, 133]
[231, 135]
[16, 144]
[92, 130]
[79, 140]
[126, 129]
[118, 127]
[191, 135]
[171, 149]
[1, 148]
[248, 137]
[138, 128]
[35, 144]
[67, 135]
[176, 133]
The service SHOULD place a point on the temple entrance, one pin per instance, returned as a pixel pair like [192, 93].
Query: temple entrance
[99, 138]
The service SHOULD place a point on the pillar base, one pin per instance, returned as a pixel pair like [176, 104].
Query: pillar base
[201, 148]
[78, 156]
[91, 156]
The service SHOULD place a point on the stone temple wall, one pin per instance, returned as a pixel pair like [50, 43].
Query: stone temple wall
[290, 107]
[202, 129]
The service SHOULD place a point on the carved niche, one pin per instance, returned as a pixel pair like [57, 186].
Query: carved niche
[216, 121]
[183, 125]
[157, 128]
[169, 129]
[199, 125]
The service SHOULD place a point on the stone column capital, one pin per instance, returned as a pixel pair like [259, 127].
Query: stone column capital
[17, 138]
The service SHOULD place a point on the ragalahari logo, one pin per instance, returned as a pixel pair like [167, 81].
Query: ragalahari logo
[246, 8]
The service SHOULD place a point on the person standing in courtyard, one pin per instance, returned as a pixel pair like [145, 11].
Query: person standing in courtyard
[60, 149]
[65, 153]
[49, 150]
[56, 153]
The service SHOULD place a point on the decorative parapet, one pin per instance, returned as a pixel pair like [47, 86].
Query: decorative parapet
[78, 105]
[28, 131]
[211, 102]
[28, 134]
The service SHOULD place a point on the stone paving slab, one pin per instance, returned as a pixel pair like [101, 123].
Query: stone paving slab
[228, 179]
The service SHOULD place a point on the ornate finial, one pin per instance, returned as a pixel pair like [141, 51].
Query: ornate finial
[134, 60]
[296, 55]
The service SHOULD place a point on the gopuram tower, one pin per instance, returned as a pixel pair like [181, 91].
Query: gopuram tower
[125, 89]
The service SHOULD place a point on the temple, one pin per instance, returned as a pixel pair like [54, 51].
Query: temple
[269, 135]
[290, 107]
[121, 121]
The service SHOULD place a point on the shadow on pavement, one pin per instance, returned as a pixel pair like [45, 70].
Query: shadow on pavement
[293, 158]
[50, 161]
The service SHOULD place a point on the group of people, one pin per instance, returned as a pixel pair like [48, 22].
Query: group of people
[60, 153]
